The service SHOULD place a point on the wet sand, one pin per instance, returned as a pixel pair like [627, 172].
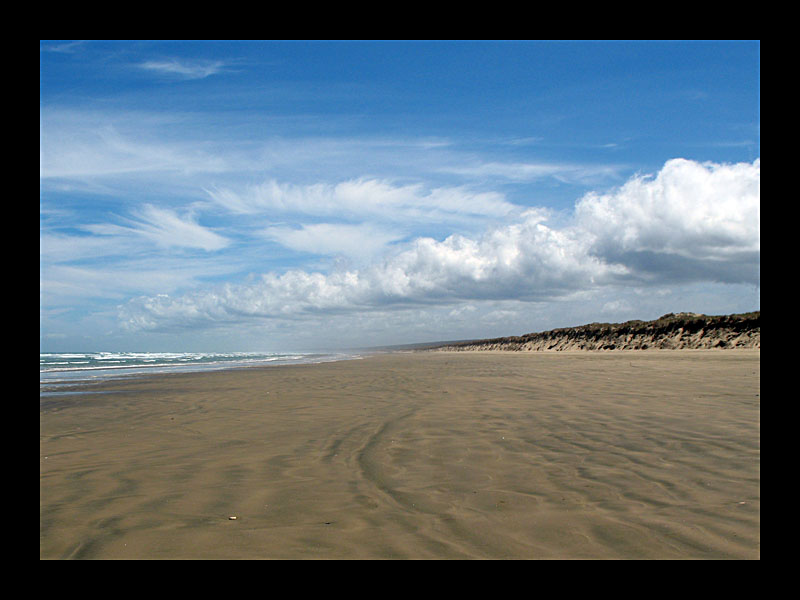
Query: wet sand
[468, 455]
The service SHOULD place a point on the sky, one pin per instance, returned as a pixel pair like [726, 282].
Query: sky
[320, 195]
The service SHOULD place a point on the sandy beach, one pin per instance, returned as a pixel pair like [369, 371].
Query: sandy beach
[429, 455]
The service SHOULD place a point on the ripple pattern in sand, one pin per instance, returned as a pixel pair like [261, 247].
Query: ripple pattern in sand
[416, 456]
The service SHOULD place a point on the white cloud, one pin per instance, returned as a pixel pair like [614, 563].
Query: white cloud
[64, 282]
[616, 306]
[362, 198]
[706, 215]
[693, 216]
[462, 311]
[523, 260]
[165, 228]
[568, 173]
[356, 241]
[67, 47]
[693, 209]
[84, 145]
[61, 248]
[527, 260]
[198, 69]
[119, 277]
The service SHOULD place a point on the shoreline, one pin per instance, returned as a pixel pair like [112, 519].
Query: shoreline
[97, 386]
[412, 454]
[65, 381]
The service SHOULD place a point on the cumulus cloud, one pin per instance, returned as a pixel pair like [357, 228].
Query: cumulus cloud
[696, 220]
[690, 222]
[526, 260]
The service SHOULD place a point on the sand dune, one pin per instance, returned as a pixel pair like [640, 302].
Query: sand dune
[650, 455]
[682, 331]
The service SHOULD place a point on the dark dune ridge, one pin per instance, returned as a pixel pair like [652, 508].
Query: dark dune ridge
[671, 331]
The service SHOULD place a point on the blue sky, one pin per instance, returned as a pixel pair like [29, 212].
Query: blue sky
[309, 195]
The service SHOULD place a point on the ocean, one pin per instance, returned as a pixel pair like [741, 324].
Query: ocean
[60, 372]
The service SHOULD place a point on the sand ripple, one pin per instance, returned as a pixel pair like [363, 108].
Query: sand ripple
[436, 455]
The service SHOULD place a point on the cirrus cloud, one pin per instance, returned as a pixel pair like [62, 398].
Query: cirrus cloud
[361, 198]
[165, 228]
[185, 69]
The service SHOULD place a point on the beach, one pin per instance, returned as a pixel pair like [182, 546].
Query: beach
[651, 454]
